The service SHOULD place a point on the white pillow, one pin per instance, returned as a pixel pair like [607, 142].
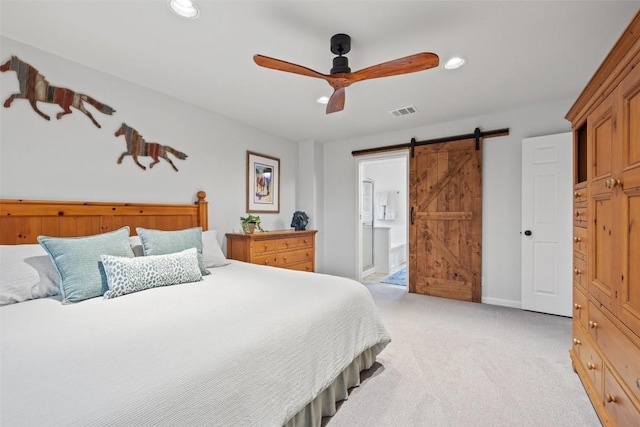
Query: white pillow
[211, 253]
[136, 245]
[26, 272]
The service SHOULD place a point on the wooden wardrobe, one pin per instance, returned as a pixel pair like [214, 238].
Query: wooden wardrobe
[606, 286]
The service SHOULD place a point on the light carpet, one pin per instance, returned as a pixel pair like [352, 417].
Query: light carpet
[454, 363]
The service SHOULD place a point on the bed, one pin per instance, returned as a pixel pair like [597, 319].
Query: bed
[246, 345]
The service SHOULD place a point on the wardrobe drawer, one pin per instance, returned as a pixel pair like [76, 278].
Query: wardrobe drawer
[589, 358]
[617, 404]
[580, 217]
[580, 273]
[580, 308]
[580, 240]
[580, 197]
[621, 352]
[579, 335]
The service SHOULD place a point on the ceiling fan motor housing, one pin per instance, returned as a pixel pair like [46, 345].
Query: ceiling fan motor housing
[340, 45]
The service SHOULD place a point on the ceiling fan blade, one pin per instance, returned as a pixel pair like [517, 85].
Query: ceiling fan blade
[277, 64]
[408, 64]
[336, 102]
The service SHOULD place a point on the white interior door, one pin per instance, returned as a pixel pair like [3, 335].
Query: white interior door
[546, 224]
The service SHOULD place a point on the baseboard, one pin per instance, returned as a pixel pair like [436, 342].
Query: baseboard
[502, 302]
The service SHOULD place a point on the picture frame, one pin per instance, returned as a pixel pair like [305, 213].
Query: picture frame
[263, 183]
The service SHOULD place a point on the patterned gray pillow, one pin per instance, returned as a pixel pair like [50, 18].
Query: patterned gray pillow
[127, 275]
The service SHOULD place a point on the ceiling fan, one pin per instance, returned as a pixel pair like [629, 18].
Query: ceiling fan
[341, 76]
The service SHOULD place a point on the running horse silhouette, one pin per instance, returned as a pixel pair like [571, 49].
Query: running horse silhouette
[137, 146]
[34, 87]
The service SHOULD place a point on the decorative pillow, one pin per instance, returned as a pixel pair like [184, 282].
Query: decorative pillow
[77, 260]
[158, 242]
[211, 252]
[127, 275]
[26, 272]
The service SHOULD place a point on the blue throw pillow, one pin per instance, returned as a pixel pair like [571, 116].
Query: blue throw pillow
[158, 242]
[77, 260]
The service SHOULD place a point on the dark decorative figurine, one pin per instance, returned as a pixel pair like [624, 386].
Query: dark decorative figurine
[299, 221]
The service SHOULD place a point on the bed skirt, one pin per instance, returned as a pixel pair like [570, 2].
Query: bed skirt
[325, 404]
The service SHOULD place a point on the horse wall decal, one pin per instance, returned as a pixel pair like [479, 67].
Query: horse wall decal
[137, 146]
[34, 87]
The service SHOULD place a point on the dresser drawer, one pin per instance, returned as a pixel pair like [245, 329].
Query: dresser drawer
[580, 273]
[267, 259]
[580, 308]
[580, 241]
[622, 353]
[303, 266]
[292, 257]
[266, 245]
[617, 404]
[294, 243]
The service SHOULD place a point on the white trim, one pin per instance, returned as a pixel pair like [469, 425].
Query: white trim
[359, 160]
[502, 302]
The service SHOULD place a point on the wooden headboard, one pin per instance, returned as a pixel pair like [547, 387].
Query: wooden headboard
[22, 221]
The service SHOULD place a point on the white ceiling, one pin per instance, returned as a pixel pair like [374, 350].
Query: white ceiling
[518, 53]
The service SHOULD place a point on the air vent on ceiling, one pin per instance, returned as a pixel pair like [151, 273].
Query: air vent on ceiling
[404, 111]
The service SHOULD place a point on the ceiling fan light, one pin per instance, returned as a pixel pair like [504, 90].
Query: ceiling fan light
[323, 100]
[184, 8]
[454, 62]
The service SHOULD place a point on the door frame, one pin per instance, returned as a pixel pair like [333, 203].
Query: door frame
[360, 161]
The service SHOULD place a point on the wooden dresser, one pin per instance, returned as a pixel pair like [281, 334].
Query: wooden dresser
[606, 287]
[290, 249]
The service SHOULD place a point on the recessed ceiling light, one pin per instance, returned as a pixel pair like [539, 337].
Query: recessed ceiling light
[454, 62]
[323, 100]
[184, 8]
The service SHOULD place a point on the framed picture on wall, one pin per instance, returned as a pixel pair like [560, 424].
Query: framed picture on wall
[263, 183]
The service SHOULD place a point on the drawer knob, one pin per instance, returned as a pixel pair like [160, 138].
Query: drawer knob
[305, 240]
[577, 272]
[591, 366]
[577, 214]
[577, 194]
[577, 239]
[576, 341]
[610, 398]
[593, 325]
[288, 243]
[266, 245]
[577, 306]
[285, 258]
[266, 262]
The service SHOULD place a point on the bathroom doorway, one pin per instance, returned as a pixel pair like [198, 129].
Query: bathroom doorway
[382, 218]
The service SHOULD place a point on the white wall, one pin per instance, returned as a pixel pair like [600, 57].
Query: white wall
[71, 159]
[501, 192]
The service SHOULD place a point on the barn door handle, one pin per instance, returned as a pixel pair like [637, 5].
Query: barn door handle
[412, 216]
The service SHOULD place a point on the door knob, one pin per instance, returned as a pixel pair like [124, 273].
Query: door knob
[528, 233]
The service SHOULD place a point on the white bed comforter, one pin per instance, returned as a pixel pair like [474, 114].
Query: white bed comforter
[247, 346]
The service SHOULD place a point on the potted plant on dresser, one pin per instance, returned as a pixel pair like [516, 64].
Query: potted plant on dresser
[250, 223]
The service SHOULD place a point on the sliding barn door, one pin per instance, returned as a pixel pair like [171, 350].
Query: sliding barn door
[446, 220]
